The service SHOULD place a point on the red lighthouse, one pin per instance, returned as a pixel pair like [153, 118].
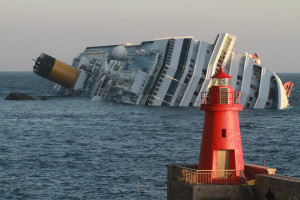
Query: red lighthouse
[221, 147]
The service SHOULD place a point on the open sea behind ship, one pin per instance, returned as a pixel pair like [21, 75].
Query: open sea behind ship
[72, 148]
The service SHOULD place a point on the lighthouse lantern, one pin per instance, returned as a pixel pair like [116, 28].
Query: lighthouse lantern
[221, 79]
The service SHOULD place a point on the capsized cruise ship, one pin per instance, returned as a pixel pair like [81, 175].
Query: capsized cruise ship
[170, 71]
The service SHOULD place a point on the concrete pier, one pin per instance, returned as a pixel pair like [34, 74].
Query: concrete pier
[184, 184]
[283, 187]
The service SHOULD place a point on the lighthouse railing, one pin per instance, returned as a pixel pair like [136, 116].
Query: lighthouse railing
[222, 98]
[210, 177]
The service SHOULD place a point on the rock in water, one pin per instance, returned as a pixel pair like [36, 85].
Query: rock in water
[18, 96]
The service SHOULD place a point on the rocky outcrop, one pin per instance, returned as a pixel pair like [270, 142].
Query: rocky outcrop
[44, 98]
[18, 96]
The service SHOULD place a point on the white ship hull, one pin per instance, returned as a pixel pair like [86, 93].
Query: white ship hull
[169, 72]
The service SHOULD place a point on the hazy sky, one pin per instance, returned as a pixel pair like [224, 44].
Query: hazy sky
[62, 28]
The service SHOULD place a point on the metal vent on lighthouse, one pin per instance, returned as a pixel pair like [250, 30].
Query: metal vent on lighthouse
[223, 95]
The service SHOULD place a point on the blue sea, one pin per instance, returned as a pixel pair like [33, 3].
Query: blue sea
[72, 148]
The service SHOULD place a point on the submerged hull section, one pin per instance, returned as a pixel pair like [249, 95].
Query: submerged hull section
[165, 72]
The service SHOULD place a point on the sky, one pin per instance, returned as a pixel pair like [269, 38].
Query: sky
[63, 28]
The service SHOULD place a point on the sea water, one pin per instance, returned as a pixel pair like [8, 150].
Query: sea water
[73, 148]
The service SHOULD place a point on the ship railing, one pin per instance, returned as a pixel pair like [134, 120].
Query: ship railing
[222, 98]
[208, 177]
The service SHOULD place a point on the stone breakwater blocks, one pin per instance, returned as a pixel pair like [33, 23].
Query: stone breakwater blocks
[283, 187]
[225, 192]
[186, 191]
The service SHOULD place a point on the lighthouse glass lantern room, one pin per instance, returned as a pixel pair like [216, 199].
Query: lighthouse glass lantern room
[221, 146]
[221, 81]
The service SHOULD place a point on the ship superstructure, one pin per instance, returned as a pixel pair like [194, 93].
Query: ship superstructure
[164, 72]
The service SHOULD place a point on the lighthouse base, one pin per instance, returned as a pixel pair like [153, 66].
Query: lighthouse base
[186, 182]
[183, 185]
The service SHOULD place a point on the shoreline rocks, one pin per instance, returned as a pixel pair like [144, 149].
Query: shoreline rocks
[18, 96]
